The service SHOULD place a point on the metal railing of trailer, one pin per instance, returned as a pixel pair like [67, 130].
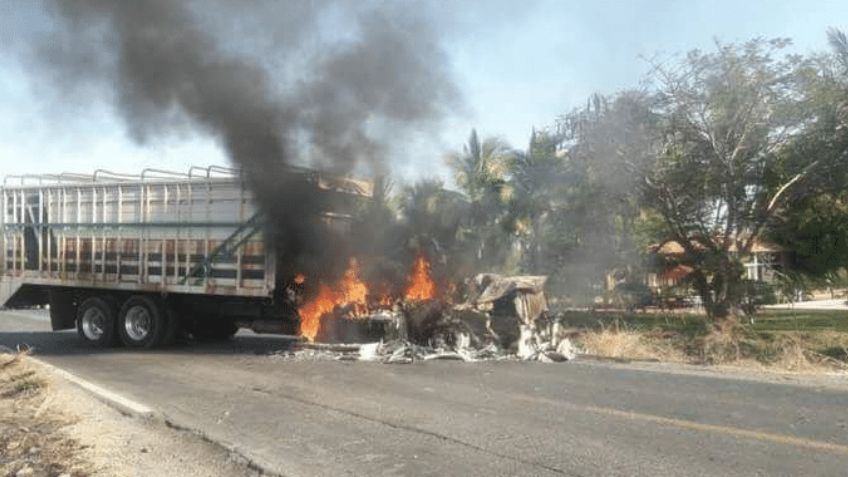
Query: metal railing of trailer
[165, 231]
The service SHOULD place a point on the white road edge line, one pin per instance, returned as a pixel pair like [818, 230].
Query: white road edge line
[111, 398]
[127, 406]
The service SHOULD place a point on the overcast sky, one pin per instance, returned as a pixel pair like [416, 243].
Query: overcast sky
[518, 65]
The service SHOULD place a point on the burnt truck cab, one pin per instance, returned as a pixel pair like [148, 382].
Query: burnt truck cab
[138, 259]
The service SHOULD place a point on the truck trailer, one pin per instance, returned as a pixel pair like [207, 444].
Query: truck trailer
[137, 259]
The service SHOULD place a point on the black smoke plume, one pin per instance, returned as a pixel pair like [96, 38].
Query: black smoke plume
[257, 77]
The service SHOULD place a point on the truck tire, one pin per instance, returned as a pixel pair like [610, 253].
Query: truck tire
[96, 322]
[145, 322]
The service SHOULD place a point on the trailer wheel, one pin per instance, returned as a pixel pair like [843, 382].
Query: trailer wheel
[96, 322]
[144, 322]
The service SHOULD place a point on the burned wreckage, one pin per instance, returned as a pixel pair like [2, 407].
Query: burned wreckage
[502, 317]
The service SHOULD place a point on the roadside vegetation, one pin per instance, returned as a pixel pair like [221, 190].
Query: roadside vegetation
[716, 152]
[32, 437]
[788, 340]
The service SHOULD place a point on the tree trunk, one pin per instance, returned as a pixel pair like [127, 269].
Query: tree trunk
[720, 293]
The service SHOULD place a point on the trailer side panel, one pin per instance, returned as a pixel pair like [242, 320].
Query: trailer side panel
[192, 236]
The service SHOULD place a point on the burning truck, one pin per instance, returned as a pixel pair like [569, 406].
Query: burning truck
[500, 317]
[140, 260]
[136, 259]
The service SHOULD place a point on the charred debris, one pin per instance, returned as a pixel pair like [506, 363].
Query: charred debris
[503, 317]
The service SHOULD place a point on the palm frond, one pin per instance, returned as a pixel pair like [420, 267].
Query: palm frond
[839, 43]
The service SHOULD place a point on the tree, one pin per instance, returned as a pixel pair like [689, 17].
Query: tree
[480, 170]
[431, 221]
[535, 191]
[605, 145]
[721, 173]
[376, 237]
[816, 226]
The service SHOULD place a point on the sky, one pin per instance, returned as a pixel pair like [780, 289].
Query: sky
[518, 65]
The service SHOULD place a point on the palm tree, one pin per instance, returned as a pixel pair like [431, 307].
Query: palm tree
[535, 180]
[481, 172]
[839, 43]
[431, 216]
[480, 169]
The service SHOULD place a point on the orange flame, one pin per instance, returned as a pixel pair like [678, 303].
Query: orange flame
[385, 301]
[354, 290]
[349, 291]
[311, 313]
[421, 286]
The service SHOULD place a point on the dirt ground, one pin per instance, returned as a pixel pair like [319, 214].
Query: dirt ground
[49, 427]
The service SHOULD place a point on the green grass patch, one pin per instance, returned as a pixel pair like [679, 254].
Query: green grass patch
[801, 320]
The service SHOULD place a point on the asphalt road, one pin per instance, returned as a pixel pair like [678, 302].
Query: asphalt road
[469, 419]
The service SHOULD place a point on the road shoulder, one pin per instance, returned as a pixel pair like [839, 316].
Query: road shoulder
[116, 442]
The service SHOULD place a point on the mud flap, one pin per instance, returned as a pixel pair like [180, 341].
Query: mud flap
[63, 310]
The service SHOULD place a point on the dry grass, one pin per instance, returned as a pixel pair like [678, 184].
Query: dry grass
[793, 356]
[825, 351]
[725, 343]
[32, 440]
[622, 343]
[730, 342]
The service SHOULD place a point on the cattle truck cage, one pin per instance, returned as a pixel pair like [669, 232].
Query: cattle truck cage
[193, 233]
[159, 231]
